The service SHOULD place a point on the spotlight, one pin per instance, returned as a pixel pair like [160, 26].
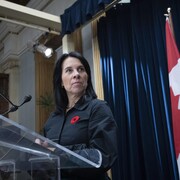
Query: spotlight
[44, 50]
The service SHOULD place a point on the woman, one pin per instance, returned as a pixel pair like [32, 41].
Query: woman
[81, 122]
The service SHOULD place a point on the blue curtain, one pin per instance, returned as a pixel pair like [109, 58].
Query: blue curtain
[135, 79]
[79, 13]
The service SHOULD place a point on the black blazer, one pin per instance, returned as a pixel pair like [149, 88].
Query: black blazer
[89, 126]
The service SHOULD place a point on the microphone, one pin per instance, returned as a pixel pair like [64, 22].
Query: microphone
[15, 107]
[26, 99]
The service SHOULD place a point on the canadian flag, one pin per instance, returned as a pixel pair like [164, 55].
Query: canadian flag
[174, 82]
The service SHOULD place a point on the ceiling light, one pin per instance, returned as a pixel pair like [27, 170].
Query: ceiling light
[48, 52]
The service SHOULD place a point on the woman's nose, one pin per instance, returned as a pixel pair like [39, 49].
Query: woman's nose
[76, 74]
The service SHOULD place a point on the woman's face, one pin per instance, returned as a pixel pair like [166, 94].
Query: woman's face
[74, 76]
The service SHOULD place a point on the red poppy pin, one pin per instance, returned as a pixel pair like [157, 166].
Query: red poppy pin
[75, 119]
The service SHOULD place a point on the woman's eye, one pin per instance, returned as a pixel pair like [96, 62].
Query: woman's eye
[81, 69]
[68, 70]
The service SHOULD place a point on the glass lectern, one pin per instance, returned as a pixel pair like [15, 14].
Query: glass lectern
[22, 158]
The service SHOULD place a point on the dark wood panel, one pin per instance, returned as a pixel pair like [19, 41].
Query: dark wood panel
[4, 86]
[20, 2]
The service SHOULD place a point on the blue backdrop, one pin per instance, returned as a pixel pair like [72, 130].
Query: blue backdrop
[135, 79]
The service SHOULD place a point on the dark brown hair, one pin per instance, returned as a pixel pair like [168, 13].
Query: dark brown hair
[60, 95]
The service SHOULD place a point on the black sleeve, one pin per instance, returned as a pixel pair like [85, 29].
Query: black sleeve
[102, 133]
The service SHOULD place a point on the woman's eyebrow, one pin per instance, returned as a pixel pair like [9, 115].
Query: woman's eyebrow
[72, 67]
[67, 67]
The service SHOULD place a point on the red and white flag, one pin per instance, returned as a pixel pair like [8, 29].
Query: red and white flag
[174, 81]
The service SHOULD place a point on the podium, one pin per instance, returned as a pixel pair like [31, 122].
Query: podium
[22, 158]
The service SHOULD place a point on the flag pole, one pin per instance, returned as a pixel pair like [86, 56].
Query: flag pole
[169, 17]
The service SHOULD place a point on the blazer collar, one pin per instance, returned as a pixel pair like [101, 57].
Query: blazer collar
[83, 102]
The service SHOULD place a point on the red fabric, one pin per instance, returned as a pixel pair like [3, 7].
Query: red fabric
[173, 56]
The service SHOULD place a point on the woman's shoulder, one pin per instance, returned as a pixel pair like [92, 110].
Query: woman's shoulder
[98, 102]
[54, 116]
[91, 103]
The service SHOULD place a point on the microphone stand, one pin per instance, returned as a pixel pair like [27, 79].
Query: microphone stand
[15, 107]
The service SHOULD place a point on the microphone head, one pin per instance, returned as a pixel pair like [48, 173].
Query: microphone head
[27, 98]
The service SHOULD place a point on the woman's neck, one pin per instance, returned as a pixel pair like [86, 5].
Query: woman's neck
[72, 100]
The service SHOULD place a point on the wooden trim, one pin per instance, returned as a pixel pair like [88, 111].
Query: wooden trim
[43, 85]
[96, 62]
[72, 42]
